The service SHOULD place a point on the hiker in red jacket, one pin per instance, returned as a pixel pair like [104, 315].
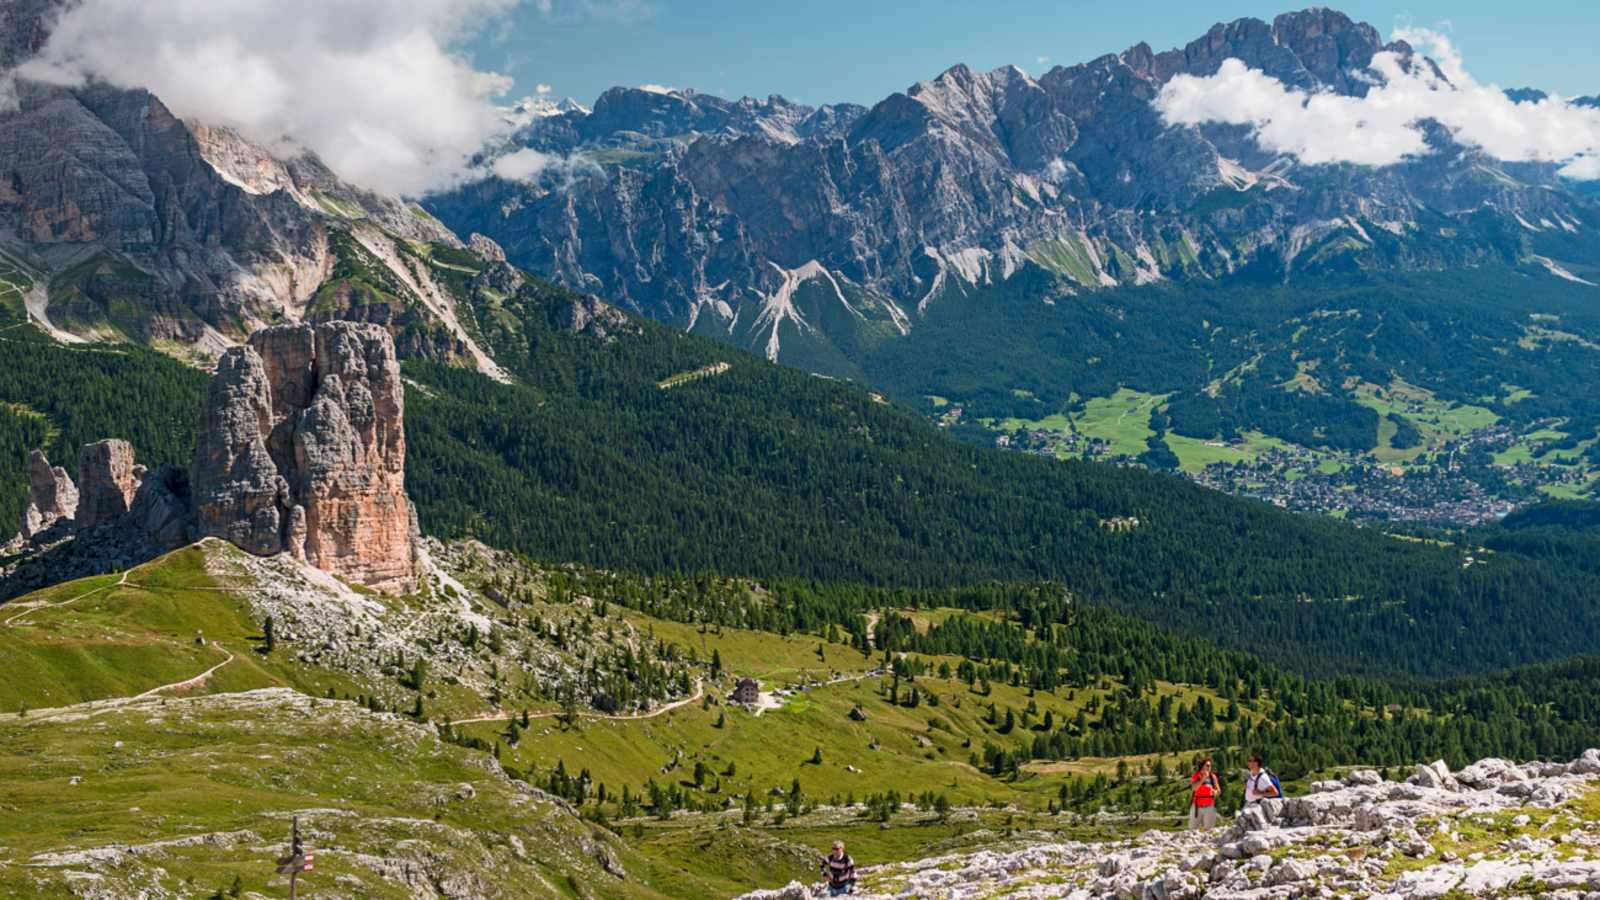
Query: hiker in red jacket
[1205, 788]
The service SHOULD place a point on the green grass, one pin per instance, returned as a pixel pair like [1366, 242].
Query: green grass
[120, 639]
[1067, 255]
[1436, 420]
[14, 283]
[680, 378]
[1195, 454]
[221, 760]
[1122, 420]
[1530, 446]
[334, 206]
[1516, 394]
[774, 748]
[911, 750]
[361, 783]
[1575, 490]
[770, 658]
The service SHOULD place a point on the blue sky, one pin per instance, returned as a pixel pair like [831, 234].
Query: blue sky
[820, 51]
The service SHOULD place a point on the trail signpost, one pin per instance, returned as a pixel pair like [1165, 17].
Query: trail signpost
[298, 860]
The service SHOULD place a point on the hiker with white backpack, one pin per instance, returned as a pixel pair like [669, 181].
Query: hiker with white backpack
[1261, 784]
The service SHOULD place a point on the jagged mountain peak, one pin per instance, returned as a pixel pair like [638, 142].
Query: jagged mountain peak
[969, 177]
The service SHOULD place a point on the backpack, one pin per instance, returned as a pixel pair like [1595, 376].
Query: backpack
[1276, 784]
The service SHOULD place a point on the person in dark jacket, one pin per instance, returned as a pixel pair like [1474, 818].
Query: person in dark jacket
[840, 871]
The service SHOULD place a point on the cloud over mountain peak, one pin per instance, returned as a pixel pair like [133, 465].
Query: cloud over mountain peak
[1384, 126]
[371, 86]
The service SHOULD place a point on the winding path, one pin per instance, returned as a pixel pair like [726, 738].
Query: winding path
[38, 607]
[109, 703]
[188, 683]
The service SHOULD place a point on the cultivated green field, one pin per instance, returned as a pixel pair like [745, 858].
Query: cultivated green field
[1195, 454]
[1122, 420]
[1436, 420]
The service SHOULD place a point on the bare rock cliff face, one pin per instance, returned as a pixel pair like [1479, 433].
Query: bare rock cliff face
[239, 496]
[302, 450]
[970, 177]
[52, 497]
[108, 479]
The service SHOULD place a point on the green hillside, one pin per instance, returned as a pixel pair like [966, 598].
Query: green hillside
[770, 472]
[134, 752]
[767, 471]
[1295, 361]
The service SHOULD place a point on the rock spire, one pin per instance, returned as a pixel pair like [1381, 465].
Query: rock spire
[302, 450]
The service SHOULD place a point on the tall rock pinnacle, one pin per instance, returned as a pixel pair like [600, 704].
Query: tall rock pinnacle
[108, 479]
[302, 449]
[52, 497]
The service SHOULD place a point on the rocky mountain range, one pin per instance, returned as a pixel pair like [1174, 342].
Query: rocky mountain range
[803, 233]
[120, 221]
[722, 215]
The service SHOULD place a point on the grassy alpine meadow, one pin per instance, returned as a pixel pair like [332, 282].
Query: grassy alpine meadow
[158, 624]
[194, 795]
[842, 741]
[772, 659]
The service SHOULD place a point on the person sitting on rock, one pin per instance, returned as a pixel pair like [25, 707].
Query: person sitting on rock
[1203, 802]
[840, 871]
[1261, 784]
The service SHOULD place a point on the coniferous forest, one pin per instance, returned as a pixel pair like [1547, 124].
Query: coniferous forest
[764, 498]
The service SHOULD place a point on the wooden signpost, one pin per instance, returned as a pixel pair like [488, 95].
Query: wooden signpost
[298, 860]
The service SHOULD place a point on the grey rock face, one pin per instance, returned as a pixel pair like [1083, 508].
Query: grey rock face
[161, 509]
[108, 479]
[591, 316]
[964, 179]
[486, 249]
[1338, 843]
[52, 497]
[151, 228]
[302, 449]
[238, 491]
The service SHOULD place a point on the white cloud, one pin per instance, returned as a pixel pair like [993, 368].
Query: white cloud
[1584, 168]
[527, 164]
[522, 165]
[1042, 60]
[371, 86]
[542, 89]
[1383, 128]
[625, 12]
[655, 88]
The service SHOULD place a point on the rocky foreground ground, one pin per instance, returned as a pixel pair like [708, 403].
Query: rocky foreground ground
[1493, 829]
